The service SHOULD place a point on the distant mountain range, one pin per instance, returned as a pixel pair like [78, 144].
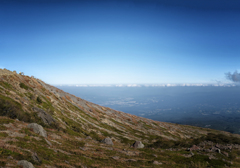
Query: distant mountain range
[43, 126]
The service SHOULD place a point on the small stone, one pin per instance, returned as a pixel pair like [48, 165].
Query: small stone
[107, 141]
[9, 157]
[225, 153]
[194, 148]
[138, 144]
[88, 137]
[36, 158]
[115, 157]
[82, 148]
[48, 142]
[130, 160]
[157, 163]
[25, 164]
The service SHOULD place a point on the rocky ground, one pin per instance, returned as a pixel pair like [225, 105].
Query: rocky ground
[42, 126]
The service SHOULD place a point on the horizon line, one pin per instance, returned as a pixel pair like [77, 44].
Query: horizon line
[151, 85]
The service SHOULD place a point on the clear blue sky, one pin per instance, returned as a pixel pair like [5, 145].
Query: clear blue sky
[110, 42]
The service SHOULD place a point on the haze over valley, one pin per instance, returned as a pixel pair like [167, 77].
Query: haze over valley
[215, 107]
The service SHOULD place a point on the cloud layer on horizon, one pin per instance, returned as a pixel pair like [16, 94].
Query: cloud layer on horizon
[153, 85]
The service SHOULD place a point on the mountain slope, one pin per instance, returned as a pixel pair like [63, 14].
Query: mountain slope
[75, 129]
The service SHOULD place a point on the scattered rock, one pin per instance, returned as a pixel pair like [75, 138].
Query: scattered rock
[107, 141]
[194, 148]
[25, 164]
[214, 149]
[55, 136]
[225, 153]
[49, 143]
[109, 148]
[13, 93]
[82, 148]
[46, 118]
[88, 137]
[38, 129]
[212, 157]
[187, 155]
[130, 160]
[10, 157]
[79, 139]
[49, 166]
[138, 144]
[115, 157]
[157, 163]
[154, 155]
[36, 158]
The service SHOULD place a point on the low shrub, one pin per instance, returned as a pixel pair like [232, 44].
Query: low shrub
[39, 100]
[22, 85]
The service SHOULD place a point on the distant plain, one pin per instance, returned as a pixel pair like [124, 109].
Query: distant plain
[209, 106]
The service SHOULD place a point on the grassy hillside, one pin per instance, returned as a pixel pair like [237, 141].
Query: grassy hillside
[75, 129]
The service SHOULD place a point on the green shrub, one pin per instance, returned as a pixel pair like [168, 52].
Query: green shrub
[39, 100]
[22, 85]
[12, 109]
[3, 134]
[222, 139]
[5, 85]
[94, 135]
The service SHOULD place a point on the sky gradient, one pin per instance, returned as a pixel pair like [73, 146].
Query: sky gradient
[111, 42]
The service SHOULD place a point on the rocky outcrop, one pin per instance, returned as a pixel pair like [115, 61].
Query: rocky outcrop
[46, 118]
[38, 129]
[107, 141]
[138, 144]
[25, 164]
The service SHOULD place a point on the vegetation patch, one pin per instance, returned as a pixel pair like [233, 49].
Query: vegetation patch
[12, 109]
[2, 127]
[5, 153]
[3, 134]
[216, 138]
[22, 85]
[6, 85]
[4, 120]
[39, 100]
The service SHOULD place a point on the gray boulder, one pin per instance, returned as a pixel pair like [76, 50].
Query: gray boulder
[46, 118]
[138, 144]
[25, 164]
[107, 141]
[38, 129]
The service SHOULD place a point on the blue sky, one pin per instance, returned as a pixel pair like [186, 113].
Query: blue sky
[111, 42]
